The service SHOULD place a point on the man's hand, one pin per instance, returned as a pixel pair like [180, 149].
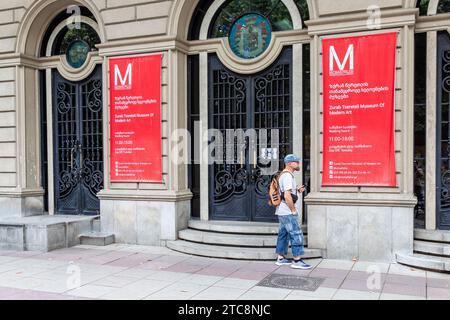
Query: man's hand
[302, 189]
[290, 203]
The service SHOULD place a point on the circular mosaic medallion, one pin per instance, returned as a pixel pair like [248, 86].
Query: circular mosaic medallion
[77, 53]
[250, 35]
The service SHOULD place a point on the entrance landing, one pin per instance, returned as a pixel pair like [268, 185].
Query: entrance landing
[43, 233]
[232, 240]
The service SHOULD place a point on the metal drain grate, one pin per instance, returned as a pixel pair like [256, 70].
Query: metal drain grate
[292, 282]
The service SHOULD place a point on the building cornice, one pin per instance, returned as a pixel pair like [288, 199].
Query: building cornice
[145, 195]
[433, 23]
[353, 199]
[355, 22]
[16, 193]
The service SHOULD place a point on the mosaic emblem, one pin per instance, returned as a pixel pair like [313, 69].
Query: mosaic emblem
[77, 53]
[250, 35]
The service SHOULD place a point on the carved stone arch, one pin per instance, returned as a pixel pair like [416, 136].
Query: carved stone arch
[182, 11]
[29, 92]
[38, 17]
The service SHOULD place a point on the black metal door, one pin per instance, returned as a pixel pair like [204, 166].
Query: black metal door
[443, 133]
[255, 111]
[78, 144]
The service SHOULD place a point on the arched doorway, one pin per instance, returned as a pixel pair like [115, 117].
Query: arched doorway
[248, 84]
[72, 115]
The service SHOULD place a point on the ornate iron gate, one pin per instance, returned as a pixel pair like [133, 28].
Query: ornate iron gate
[443, 133]
[248, 103]
[78, 144]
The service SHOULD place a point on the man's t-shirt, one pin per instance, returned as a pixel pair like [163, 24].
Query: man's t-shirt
[287, 183]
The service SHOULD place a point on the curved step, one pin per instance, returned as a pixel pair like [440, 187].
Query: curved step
[237, 227]
[432, 248]
[230, 239]
[425, 262]
[432, 235]
[225, 252]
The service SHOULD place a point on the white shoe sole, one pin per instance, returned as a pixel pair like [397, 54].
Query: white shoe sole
[283, 264]
[301, 268]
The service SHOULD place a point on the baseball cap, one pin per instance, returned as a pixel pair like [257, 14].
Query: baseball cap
[292, 158]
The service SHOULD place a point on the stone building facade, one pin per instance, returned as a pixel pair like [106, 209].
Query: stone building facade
[369, 223]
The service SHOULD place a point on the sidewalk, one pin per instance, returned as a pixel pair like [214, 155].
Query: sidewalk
[152, 273]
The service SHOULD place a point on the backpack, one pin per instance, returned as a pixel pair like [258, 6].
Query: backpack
[275, 196]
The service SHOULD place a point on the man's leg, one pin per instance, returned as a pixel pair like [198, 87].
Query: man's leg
[297, 241]
[296, 237]
[283, 240]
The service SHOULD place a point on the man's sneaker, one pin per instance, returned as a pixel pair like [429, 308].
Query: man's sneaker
[300, 264]
[283, 262]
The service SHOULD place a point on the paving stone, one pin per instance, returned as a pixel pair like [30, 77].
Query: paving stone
[114, 281]
[218, 293]
[406, 271]
[371, 267]
[177, 291]
[58, 286]
[90, 291]
[300, 297]
[219, 272]
[438, 283]
[361, 275]
[261, 267]
[8, 292]
[321, 293]
[257, 293]
[168, 276]
[333, 283]
[438, 294]
[408, 280]
[329, 273]
[361, 285]
[336, 264]
[134, 260]
[39, 296]
[404, 289]
[392, 296]
[135, 273]
[137, 290]
[201, 279]
[249, 275]
[236, 283]
[344, 294]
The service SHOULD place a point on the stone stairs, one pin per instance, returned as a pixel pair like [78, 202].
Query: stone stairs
[96, 238]
[431, 251]
[232, 240]
[43, 233]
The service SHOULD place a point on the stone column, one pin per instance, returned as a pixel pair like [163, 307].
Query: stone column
[365, 223]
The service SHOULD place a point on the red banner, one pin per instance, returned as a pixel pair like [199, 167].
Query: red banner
[135, 119]
[358, 95]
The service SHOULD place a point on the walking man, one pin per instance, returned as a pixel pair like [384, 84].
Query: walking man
[288, 216]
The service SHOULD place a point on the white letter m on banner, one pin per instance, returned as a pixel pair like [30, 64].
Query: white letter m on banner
[348, 59]
[125, 82]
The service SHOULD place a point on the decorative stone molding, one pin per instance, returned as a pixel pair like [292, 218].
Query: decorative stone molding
[392, 18]
[146, 195]
[41, 12]
[352, 199]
